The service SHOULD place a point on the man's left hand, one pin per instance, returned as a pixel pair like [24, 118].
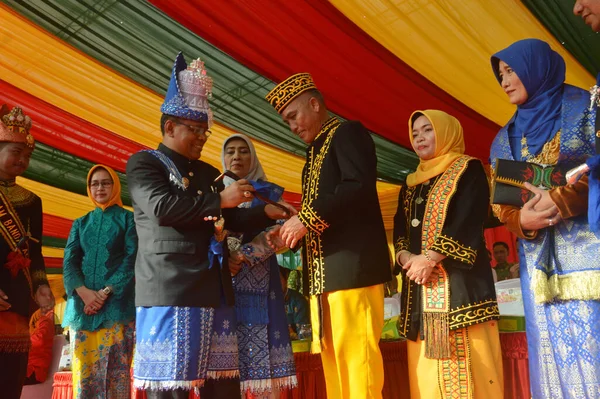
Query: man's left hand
[292, 231]
[44, 298]
[274, 239]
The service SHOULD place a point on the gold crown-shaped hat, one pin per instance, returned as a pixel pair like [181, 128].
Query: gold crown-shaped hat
[17, 126]
[286, 91]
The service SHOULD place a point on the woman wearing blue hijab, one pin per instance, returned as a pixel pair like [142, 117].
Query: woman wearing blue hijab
[559, 267]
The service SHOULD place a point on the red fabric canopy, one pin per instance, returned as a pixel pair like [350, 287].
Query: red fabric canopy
[69, 133]
[359, 78]
[55, 226]
[53, 263]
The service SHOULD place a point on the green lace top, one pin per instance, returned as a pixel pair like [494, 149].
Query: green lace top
[101, 252]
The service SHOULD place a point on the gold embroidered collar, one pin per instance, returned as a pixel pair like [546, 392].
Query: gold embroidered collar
[329, 125]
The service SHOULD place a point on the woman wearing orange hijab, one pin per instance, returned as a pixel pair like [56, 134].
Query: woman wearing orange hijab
[449, 311]
[98, 275]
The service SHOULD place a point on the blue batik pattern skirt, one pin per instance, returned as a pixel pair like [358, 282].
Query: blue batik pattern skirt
[172, 347]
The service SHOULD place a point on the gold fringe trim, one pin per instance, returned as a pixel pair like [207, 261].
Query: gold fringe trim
[582, 286]
[217, 375]
[267, 385]
[167, 385]
[436, 330]
[510, 182]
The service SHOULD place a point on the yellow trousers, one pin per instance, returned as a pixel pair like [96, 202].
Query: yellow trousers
[352, 321]
[474, 370]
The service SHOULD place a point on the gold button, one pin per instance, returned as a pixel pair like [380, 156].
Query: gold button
[191, 174]
[598, 133]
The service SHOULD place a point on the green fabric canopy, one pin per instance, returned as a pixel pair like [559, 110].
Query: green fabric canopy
[569, 29]
[67, 172]
[139, 41]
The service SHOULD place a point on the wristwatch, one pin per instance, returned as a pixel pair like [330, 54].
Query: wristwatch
[107, 290]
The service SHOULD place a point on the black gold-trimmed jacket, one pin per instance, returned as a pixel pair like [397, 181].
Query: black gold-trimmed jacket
[346, 246]
[20, 289]
[472, 293]
[172, 266]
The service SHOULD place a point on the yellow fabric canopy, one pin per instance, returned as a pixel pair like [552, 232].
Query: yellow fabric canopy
[59, 202]
[451, 42]
[52, 252]
[44, 66]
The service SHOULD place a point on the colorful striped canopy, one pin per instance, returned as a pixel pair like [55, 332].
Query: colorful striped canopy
[92, 75]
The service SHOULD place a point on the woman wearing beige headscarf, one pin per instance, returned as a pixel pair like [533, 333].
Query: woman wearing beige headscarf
[449, 308]
[98, 275]
[264, 360]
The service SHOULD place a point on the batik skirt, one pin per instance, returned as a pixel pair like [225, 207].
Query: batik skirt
[102, 362]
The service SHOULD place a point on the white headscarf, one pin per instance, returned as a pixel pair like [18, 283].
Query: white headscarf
[256, 171]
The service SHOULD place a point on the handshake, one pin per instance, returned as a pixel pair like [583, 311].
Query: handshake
[275, 239]
[288, 235]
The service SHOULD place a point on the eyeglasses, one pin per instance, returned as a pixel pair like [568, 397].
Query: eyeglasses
[103, 183]
[197, 130]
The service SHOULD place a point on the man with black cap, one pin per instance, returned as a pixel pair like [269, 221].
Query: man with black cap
[345, 254]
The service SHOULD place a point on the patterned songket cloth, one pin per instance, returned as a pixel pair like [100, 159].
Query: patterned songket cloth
[266, 360]
[172, 347]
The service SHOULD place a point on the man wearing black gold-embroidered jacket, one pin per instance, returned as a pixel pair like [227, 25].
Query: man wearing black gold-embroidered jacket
[345, 255]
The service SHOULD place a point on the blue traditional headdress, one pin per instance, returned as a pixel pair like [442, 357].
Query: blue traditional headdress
[188, 92]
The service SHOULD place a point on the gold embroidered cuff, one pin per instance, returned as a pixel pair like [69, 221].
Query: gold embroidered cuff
[453, 249]
[311, 220]
[401, 245]
[474, 313]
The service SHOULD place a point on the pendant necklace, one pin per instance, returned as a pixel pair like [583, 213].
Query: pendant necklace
[419, 200]
[525, 154]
